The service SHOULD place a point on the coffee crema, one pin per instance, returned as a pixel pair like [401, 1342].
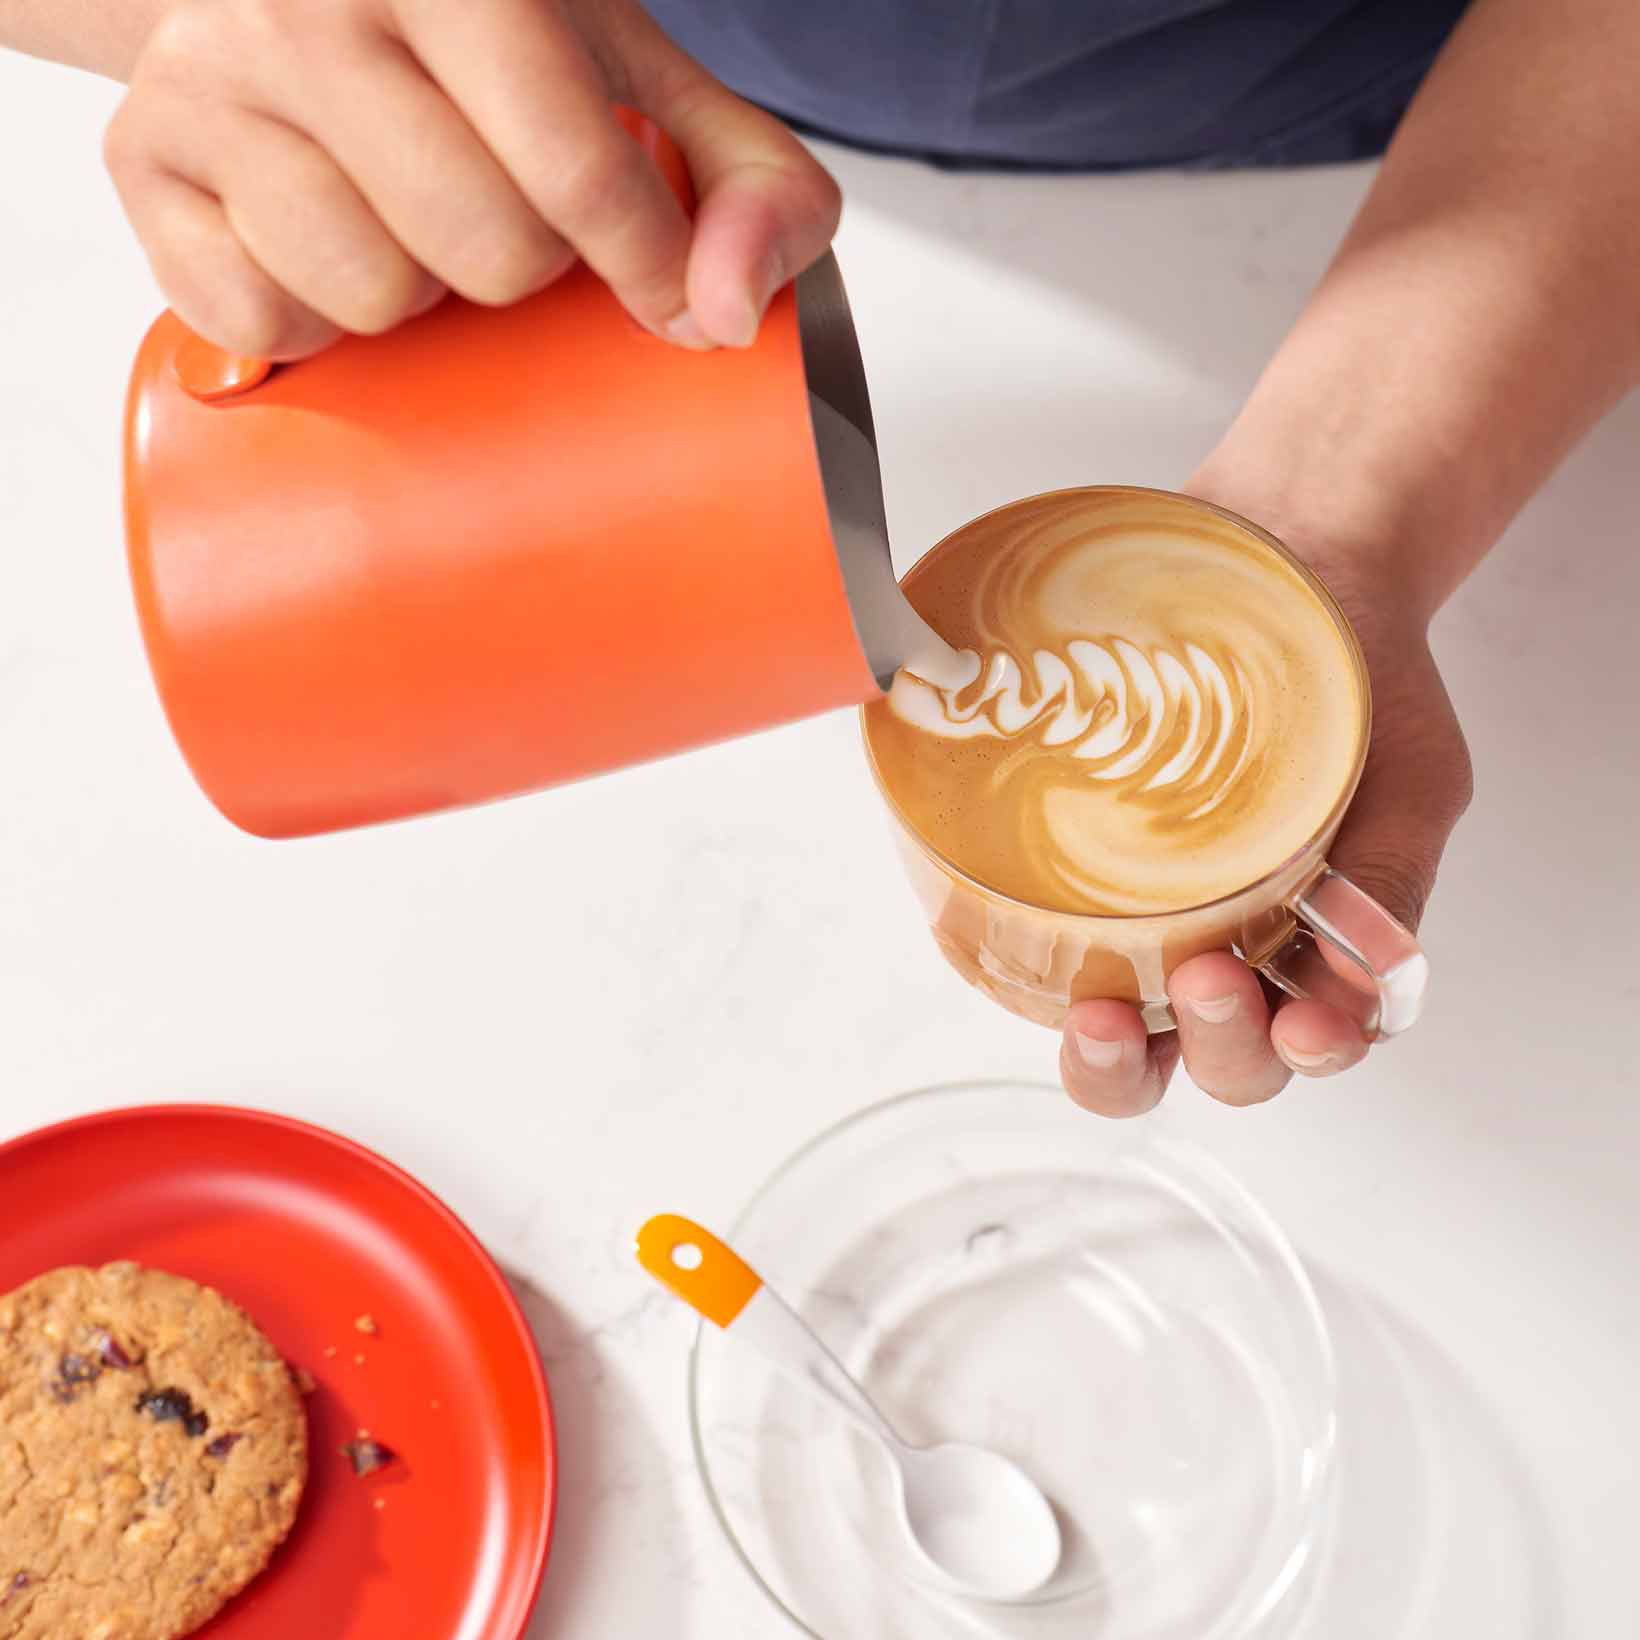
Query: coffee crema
[1160, 709]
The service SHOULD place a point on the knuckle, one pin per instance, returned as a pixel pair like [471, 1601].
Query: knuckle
[175, 35]
[1448, 771]
[185, 35]
[800, 192]
[262, 21]
[1463, 779]
[381, 292]
[248, 316]
[656, 288]
[1399, 879]
[124, 143]
[598, 183]
[210, 45]
[507, 268]
[818, 195]
[374, 302]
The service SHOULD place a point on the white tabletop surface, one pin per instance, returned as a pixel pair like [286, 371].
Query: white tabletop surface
[568, 1012]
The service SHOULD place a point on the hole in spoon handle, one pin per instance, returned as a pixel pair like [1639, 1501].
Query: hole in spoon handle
[694, 1264]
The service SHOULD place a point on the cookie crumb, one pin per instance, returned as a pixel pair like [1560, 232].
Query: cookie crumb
[433, 1405]
[381, 1503]
[366, 1455]
[358, 1360]
[330, 1350]
[366, 1323]
[304, 1380]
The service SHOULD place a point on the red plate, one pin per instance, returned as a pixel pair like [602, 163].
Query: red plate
[309, 1231]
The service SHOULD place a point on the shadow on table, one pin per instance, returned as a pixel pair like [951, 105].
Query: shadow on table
[596, 1423]
[1437, 1530]
[1216, 262]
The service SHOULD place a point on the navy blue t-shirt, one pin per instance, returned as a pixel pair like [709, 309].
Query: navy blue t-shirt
[1089, 84]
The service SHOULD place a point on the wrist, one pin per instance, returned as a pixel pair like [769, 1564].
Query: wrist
[1376, 538]
[1358, 570]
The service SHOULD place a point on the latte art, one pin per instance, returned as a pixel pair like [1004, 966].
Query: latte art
[1159, 710]
[1179, 723]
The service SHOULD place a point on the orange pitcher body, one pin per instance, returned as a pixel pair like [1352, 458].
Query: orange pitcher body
[494, 550]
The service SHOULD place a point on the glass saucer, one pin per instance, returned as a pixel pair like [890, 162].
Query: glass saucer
[1098, 1300]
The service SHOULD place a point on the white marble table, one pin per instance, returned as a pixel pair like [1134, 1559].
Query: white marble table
[568, 1012]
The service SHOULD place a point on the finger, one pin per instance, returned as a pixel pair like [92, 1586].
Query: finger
[206, 274]
[437, 189]
[767, 208]
[1107, 1062]
[540, 103]
[1316, 1040]
[1414, 789]
[306, 226]
[1164, 1053]
[1224, 1029]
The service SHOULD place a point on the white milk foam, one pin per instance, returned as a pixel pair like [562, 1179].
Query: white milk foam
[1110, 706]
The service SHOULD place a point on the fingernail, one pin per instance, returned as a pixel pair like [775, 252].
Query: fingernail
[745, 332]
[1295, 1060]
[1215, 1010]
[774, 276]
[771, 276]
[1099, 1054]
[682, 329]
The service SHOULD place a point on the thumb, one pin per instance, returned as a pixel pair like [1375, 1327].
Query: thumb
[767, 208]
[1415, 787]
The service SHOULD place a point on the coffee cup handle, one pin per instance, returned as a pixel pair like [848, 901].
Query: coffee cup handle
[1349, 952]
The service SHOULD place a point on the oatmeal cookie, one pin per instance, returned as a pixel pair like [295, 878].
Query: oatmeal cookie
[153, 1450]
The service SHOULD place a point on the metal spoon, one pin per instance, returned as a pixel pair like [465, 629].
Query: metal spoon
[971, 1515]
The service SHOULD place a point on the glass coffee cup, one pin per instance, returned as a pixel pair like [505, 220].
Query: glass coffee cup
[1305, 927]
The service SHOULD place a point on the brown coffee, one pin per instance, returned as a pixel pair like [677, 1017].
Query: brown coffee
[1163, 710]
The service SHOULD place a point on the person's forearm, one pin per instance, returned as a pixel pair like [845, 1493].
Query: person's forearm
[105, 36]
[1480, 316]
